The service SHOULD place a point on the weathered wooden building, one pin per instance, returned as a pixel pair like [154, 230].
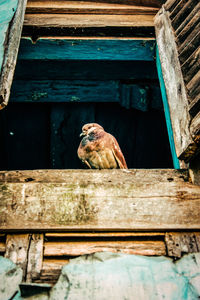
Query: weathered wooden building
[117, 63]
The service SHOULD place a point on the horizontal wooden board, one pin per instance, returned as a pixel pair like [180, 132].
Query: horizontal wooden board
[91, 49]
[102, 234]
[99, 200]
[86, 7]
[87, 247]
[88, 20]
[65, 91]
[140, 95]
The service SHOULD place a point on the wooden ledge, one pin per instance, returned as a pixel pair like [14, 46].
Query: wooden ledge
[107, 200]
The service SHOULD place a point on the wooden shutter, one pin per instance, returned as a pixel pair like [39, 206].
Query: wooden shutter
[177, 27]
[11, 21]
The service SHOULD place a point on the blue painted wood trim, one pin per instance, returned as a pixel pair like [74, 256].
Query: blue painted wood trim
[91, 49]
[167, 111]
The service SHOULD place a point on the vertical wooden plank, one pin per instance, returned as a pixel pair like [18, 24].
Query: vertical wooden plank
[175, 87]
[179, 243]
[35, 257]
[167, 112]
[17, 246]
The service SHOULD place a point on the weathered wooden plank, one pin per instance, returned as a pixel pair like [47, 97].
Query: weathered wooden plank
[51, 269]
[183, 12]
[171, 4]
[91, 49]
[65, 91]
[102, 200]
[193, 87]
[177, 164]
[195, 127]
[88, 247]
[102, 234]
[187, 19]
[176, 8]
[17, 246]
[191, 38]
[86, 7]
[88, 20]
[189, 48]
[179, 243]
[11, 32]
[187, 30]
[191, 66]
[66, 176]
[35, 257]
[175, 88]
[194, 106]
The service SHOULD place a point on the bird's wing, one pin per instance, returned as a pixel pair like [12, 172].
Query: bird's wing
[118, 154]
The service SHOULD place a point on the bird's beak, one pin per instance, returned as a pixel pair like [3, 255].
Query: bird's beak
[82, 134]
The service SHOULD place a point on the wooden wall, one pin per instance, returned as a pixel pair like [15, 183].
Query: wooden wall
[90, 18]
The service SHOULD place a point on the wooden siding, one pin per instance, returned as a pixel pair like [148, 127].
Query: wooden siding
[90, 18]
[179, 21]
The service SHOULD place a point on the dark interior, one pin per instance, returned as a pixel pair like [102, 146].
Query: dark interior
[43, 134]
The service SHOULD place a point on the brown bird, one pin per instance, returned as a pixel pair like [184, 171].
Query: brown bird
[99, 149]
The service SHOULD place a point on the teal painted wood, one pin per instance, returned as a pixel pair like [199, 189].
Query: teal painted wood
[7, 11]
[167, 112]
[64, 91]
[64, 49]
[138, 96]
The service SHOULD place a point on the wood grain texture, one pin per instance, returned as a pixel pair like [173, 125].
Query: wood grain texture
[88, 20]
[17, 247]
[187, 19]
[194, 106]
[35, 257]
[83, 49]
[102, 234]
[86, 7]
[175, 88]
[176, 162]
[101, 200]
[191, 66]
[180, 243]
[87, 247]
[183, 12]
[11, 45]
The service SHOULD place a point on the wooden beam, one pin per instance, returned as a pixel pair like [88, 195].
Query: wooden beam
[86, 7]
[87, 49]
[175, 88]
[113, 200]
[12, 33]
[76, 248]
[88, 20]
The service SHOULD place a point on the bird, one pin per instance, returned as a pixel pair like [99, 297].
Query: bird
[99, 149]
